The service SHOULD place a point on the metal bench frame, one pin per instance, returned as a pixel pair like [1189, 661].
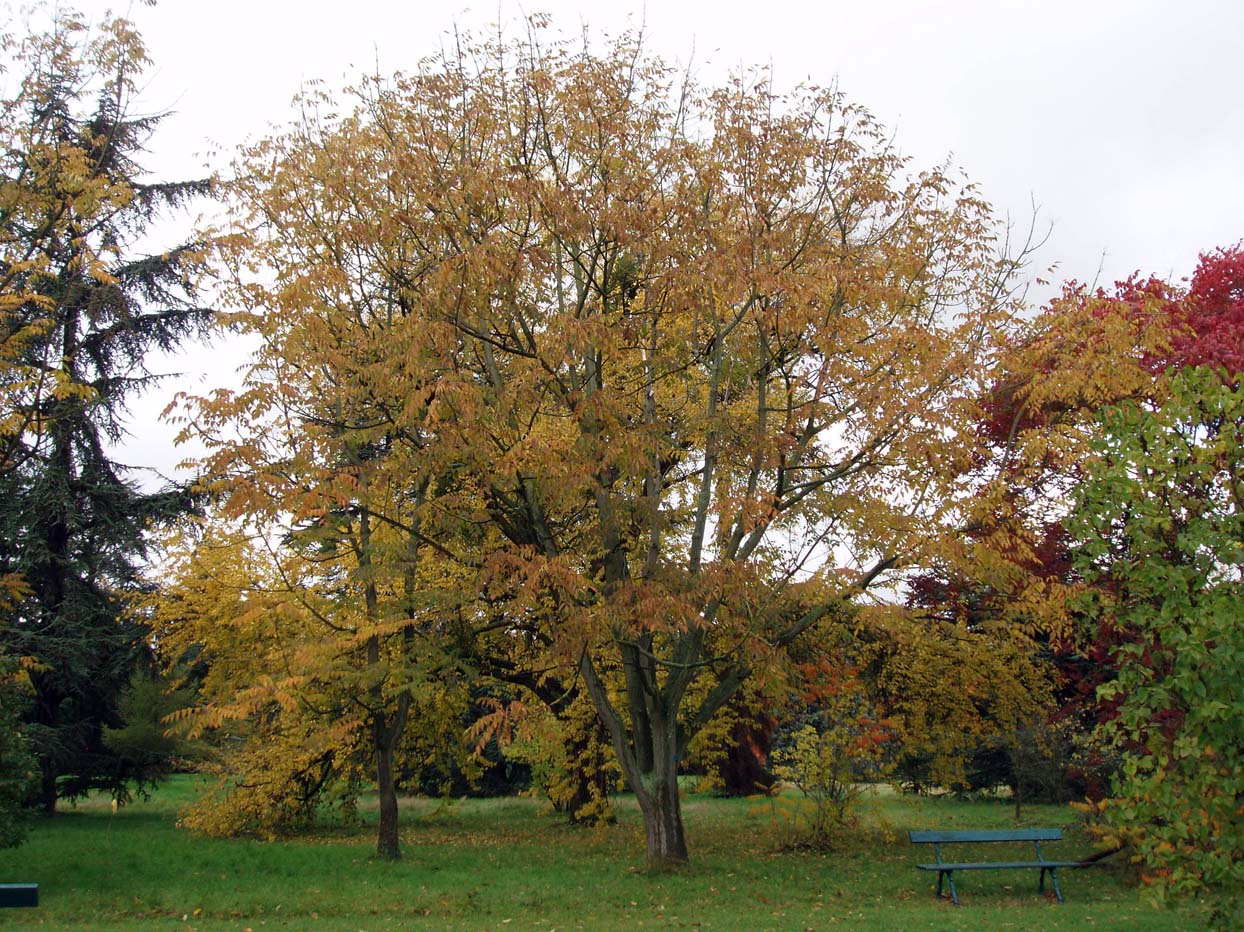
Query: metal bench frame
[946, 869]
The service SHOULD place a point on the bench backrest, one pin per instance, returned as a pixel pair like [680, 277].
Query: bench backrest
[1011, 834]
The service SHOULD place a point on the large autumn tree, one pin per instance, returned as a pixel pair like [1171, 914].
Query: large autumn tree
[668, 373]
[80, 310]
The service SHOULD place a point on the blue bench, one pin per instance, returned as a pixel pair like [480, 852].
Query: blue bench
[19, 894]
[946, 868]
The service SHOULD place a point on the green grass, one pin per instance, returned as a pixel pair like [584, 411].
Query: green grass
[499, 865]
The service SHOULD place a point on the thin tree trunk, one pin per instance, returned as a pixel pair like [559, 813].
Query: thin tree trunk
[1017, 795]
[387, 846]
[385, 732]
[1017, 791]
[47, 787]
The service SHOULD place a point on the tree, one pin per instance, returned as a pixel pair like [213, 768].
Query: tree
[1211, 315]
[956, 689]
[17, 764]
[678, 371]
[836, 745]
[319, 663]
[1161, 520]
[1087, 350]
[79, 313]
[336, 480]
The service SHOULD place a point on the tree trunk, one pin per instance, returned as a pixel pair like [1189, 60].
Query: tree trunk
[1017, 790]
[649, 754]
[386, 732]
[662, 810]
[47, 786]
[387, 847]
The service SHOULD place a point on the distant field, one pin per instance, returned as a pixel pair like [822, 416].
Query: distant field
[500, 865]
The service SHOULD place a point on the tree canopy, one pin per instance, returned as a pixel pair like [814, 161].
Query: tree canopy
[664, 375]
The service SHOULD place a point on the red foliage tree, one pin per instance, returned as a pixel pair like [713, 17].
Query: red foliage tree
[1202, 324]
[1213, 313]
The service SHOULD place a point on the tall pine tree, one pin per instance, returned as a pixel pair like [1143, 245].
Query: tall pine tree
[81, 311]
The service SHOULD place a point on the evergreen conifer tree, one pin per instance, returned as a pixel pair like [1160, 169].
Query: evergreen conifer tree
[82, 308]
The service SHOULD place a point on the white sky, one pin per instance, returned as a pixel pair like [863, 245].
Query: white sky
[1122, 121]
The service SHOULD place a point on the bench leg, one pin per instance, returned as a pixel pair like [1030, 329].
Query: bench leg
[950, 876]
[1053, 879]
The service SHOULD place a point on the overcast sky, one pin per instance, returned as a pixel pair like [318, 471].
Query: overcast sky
[1122, 121]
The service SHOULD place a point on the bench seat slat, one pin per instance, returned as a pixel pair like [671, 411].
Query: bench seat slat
[988, 865]
[996, 835]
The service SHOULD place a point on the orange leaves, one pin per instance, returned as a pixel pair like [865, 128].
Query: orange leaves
[633, 360]
[825, 678]
[499, 723]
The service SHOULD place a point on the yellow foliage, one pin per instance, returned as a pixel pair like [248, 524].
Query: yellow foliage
[632, 358]
[277, 780]
[834, 759]
[951, 689]
[294, 680]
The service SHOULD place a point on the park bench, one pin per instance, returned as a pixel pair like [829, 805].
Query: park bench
[19, 894]
[946, 868]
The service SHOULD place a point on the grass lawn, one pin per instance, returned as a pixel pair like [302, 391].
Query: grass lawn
[500, 865]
